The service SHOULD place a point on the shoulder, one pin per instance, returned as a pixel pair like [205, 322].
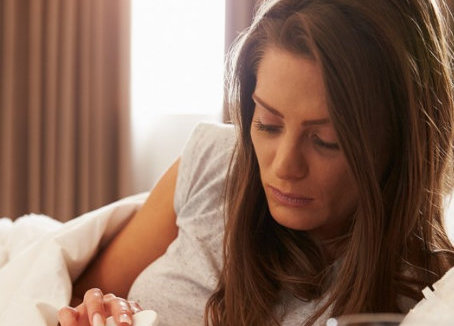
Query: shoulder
[204, 162]
[208, 142]
[209, 137]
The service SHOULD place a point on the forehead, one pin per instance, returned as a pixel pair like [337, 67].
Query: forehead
[292, 84]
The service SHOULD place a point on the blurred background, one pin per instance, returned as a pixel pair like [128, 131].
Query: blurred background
[97, 97]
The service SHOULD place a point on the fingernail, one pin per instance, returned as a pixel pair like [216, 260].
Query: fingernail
[97, 320]
[125, 319]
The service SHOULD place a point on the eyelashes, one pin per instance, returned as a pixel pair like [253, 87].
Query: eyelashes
[273, 130]
[321, 143]
[266, 128]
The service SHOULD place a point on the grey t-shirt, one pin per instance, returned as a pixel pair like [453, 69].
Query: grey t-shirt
[179, 283]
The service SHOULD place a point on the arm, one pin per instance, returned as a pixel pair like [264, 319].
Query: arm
[144, 239]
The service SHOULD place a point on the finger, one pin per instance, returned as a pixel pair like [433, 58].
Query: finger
[121, 312]
[93, 300]
[108, 299]
[67, 316]
[135, 307]
[83, 315]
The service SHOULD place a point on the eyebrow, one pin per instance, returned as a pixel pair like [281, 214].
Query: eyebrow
[316, 122]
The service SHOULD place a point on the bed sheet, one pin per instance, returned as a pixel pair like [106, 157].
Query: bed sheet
[40, 257]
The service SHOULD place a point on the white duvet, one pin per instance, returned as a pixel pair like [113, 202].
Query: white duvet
[40, 257]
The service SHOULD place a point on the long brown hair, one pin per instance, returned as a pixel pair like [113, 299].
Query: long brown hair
[387, 72]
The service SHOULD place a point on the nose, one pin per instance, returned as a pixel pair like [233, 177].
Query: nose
[290, 162]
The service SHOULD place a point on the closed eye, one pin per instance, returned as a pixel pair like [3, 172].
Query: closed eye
[267, 128]
[275, 129]
[321, 143]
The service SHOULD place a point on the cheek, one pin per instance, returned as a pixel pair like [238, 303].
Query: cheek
[263, 149]
[338, 190]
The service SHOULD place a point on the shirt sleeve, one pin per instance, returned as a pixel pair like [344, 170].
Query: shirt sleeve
[203, 167]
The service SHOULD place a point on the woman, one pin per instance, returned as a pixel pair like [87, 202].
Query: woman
[334, 201]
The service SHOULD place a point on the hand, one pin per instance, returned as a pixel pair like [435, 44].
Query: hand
[96, 307]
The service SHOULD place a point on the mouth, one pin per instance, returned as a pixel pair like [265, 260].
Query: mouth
[289, 199]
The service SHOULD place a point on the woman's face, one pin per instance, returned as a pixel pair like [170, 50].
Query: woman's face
[306, 178]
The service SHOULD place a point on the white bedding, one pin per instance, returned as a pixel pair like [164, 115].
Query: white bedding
[40, 257]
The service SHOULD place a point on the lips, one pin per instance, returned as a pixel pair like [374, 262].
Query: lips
[289, 199]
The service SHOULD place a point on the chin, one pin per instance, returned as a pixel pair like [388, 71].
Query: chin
[294, 221]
